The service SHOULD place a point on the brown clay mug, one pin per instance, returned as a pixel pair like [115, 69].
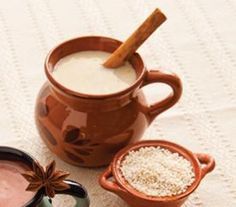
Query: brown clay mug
[202, 164]
[87, 130]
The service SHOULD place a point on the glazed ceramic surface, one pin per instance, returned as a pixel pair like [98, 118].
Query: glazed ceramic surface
[40, 200]
[202, 164]
[87, 130]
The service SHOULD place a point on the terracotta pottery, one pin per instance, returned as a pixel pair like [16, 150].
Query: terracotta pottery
[40, 199]
[87, 130]
[202, 164]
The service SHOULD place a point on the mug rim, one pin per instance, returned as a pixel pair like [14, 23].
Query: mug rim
[28, 160]
[48, 66]
[187, 154]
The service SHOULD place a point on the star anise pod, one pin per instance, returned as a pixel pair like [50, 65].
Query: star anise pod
[49, 179]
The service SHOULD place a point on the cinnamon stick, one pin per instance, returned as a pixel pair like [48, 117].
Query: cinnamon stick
[125, 50]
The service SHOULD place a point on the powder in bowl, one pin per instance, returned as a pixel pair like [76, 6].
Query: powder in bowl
[156, 171]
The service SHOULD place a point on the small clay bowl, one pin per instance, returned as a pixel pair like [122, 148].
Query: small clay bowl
[202, 164]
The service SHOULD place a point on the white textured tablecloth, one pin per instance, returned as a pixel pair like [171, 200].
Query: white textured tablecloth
[198, 42]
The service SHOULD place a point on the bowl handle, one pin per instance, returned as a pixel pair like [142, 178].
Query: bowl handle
[110, 185]
[207, 161]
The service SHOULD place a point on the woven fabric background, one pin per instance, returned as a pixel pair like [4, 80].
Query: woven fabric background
[198, 42]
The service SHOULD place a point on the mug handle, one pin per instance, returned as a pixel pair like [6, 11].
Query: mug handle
[156, 76]
[207, 161]
[110, 185]
[76, 190]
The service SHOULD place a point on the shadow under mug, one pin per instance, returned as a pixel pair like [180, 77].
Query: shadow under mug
[39, 199]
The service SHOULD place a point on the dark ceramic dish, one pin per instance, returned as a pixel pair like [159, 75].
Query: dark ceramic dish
[39, 200]
[202, 164]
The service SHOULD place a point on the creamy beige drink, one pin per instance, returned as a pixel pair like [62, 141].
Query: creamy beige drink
[83, 72]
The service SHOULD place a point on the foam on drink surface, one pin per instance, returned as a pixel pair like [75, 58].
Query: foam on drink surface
[83, 72]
